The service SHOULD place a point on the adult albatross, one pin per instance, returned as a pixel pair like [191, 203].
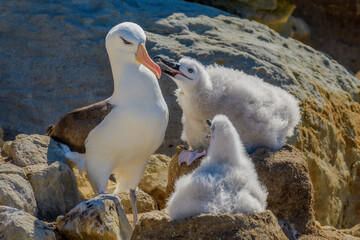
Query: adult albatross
[120, 133]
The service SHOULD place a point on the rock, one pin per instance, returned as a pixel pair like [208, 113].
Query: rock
[354, 231]
[144, 202]
[11, 169]
[55, 189]
[285, 174]
[28, 150]
[157, 225]
[274, 14]
[330, 139]
[100, 218]
[329, 94]
[295, 28]
[19, 225]
[358, 75]
[15, 190]
[335, 28]
[1, 137]
[154, 180]
[6, 147]
[328, 234]
[175, 170]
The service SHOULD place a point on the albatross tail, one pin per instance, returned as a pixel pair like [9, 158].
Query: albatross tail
[75, 157]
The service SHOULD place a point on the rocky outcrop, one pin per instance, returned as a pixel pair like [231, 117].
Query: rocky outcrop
[157, 225]
[15, 190]
[330, 138]
[19, 225]
[42, 59]
[335, 28]
[295, 27]
[354, 231]
[275, 14]
[154, 180]
[55, 189]
[285, 175]
[99, 218]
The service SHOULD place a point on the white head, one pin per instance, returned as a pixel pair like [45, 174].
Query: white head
[127, 40]
[187, 74]
[225, 143]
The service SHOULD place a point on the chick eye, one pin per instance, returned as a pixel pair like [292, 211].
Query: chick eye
[126, 41]
[190, 70]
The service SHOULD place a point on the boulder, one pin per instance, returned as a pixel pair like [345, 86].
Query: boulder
[285, 174]
[1, 137]
[154, 180]
[99, 218]
[144, 202]
[6, 148]
[354, 231]
[18, 225]
[328, 93]
[7, 168]
[28, 150]
[15, 190]
[55, 189]
[157, 225]
[33, 149]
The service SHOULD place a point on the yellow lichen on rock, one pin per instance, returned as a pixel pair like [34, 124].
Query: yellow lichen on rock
[330, 137]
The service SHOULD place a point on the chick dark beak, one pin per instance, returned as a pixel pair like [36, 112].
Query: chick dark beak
[167, 67]
[209, 122]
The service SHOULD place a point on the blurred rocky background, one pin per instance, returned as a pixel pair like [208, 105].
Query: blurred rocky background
[53, 59]
[329, 26]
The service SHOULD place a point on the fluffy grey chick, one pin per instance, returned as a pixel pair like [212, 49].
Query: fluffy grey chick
[226, 180]
[263, 114]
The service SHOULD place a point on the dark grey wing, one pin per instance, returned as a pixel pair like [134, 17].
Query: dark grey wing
[74, 127]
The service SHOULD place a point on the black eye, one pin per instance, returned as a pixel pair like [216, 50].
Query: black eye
[190, 70]
[126, 41]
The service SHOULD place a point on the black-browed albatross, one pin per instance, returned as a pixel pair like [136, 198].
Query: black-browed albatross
[120, 133]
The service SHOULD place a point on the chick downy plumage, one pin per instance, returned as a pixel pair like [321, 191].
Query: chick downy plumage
[226, 180]
[263, 114]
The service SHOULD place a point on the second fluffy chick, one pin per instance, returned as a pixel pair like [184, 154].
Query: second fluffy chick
[263, 114]
[226, 180]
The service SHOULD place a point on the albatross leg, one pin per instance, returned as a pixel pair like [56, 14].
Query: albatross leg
[133, 205]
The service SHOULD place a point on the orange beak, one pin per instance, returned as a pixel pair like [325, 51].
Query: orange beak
[143, 57]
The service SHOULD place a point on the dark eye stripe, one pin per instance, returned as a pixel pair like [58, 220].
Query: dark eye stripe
[126, 41]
